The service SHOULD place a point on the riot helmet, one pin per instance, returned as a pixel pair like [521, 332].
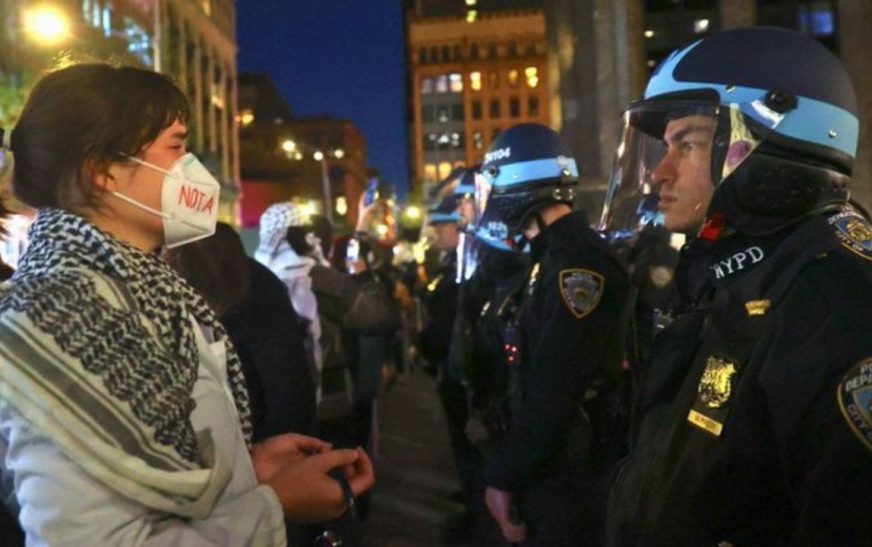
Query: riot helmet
[525, 168]
[750, 129]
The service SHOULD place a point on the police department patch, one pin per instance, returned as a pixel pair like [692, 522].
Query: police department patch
[581, 290]
[853, 231]
[855, 400]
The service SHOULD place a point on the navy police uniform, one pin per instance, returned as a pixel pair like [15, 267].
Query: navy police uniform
[754, 424]
[568, 323]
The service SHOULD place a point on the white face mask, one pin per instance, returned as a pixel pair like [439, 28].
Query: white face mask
[189, 200]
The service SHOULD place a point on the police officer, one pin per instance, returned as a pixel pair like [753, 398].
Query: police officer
[539, 486]
[753, 423]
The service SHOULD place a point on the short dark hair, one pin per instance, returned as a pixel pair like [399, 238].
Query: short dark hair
[78, 119]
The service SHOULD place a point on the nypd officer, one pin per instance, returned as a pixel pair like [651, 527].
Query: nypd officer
[753, 422]
[539, 485]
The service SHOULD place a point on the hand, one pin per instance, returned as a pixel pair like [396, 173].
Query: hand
[307, 492]
[499, 503]
[365, 213]
[271, 455]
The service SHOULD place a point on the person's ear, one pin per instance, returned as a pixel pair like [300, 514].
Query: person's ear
[100, 176]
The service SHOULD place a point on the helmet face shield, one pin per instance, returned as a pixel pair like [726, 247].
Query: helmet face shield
[671, 157]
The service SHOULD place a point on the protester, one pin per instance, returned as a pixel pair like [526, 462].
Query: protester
[253, 305]
[124, 415]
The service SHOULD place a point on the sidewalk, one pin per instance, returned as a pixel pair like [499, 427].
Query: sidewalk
[414, 470]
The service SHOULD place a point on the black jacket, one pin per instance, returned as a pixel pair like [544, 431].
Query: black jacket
[569, 334]
[268, 336]
[748, 426]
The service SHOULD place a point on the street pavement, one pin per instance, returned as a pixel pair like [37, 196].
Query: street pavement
[415, 476]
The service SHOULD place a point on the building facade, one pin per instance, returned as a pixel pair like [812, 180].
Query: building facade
[296, 159]
[469, 79]
[193, 41]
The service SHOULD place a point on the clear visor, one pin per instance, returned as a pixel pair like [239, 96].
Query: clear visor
[671, 157]
[483, 187]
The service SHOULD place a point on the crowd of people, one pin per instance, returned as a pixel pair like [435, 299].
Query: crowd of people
[693, 369]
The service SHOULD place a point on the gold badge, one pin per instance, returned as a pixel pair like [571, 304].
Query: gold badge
[757, 307]
[854, 231]
[716, 382]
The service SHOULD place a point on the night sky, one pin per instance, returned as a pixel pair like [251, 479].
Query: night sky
[340, 58]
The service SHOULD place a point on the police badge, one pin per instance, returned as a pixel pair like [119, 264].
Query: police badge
[715, 385]
[581, 290]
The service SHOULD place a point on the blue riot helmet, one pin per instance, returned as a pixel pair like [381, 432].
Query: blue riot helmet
[525, 168]
[768, 115]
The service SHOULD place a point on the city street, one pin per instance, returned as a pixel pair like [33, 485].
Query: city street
[414, 474]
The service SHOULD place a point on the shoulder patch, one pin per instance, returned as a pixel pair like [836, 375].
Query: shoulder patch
[854, 231]
[855, 400]
[581, 290]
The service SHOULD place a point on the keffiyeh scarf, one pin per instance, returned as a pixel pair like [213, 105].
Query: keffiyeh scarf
[97, 345]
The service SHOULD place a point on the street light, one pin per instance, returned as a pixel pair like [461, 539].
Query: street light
[318, 155]
[289, 146]
[46, 24]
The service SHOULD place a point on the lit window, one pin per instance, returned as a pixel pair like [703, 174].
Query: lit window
[471, 16]
[442, 84]
[430, 171]
[442, 114]
[700, 26]
[532, 75]
[426, 85]
[471, 2]
[649, 33]
[444, 169]
[456, 82]
[478, 140]
[513, 78]
[246, 117]
[475, 81]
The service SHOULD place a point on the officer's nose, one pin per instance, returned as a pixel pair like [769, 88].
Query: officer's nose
[665, 171]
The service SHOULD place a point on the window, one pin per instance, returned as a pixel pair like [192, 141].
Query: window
[430, 142]
[513, 49]
[444, 170]
[513, 78]
[456, 82]
[426, 85]
[434, 54]
[442, 84]
[458, 54]
[476, 109]
[444, 141]
[442, 114]
[514, 107]
[457, 112]
[475, 81]
[533, 106]
[494, 80]
[446, 54]
[457, 140]
[478, 140]
[427, 114]
[430, 171]
[138, 41]
[492, 50]
[495, 108]
[531, 50]
[422, 56]
[532, 75]
[473, 51]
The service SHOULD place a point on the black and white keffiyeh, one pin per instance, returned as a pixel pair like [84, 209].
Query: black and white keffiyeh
[147, 368]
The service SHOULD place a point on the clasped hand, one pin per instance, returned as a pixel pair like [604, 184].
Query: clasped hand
[296, 467]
